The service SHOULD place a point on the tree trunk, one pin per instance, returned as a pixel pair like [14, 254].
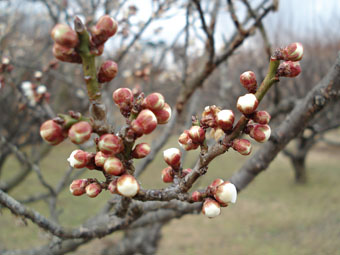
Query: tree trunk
[300, 172]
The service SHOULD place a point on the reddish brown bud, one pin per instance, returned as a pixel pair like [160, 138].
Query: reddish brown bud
[247, 104]
[65, 36]
[163, 115]
[168, 175]
[51, 132]
[225, 119]
[100, 158]
[211, 208]
[127, 185]
[145, 122]
[212, 187]
[293, 52]
[141, 150]
[104, 29]
[66, 54]
[154, 102]
[97, 50]
[196, 196]
[172, 157]
[108, 70]
[261, 133]
[113, 166]
[261, 117]
[248, 80]
[289, 69]
[113, 186]
[93, 189]
[226, 193]
[189, 146]
[79, 158]
[80, 132]
[197, 134]
[123, 97]
[243, 146]
[209, 116]
[184, 138]
[77, 187]
[110, 144]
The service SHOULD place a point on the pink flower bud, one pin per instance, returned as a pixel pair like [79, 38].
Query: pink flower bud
[248, 80]
[261, 117]
[209, 116]
[163, 115]
[196, 196]
[212, 187]
[65, 36]
[123, 97]
[114, 166]
[100, 158]
[66, 54]
[154, 102]
[197, 134]
[127, 185]
[141, 150]
[243, 146]
[225, 119]
[77, 187]
[168, 174]
[184, 138]
[80, 132]
[189, 146]
[172, 157]
[51, 132]
[211, 208]
[93, 189]
[79, 158]
[247, 104]
[110, 144]
[145, 122]
[293, 52]
[113, 186]
[260, 133]
[104, 29]
[226, 193]
[289, 69]
[108, 70]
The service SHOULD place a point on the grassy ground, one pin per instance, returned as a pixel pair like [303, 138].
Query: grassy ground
[272, 216]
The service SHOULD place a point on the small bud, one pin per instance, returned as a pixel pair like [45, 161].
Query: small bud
[209, 116]
[123, 97]
[189, 146]
[113, 166]
[5, 61]
[154, 102]
[243, 146]
[108, 70]
[41, 89]
[184, 138]
[77, 187]
[186, 172]
[261, 117]
[247, 104]
[79, 158]
[66, 54]
[211, 208]
[163, 115]
[225, 119]
[127, 185]
[80, 132]
[141, 150]
[100, 158]
[168, 174]
[93, 189]
[113, 187]
[226, 193]
[261, 133]
[51, 132]
[196, 196]
[197, 134]
[110, 144]
[212, 187]
[65, 36]
[38, 75]
[104, 29]
[293, 52]
[145, 122]
[172, 157]
[289, 69]
[248, 80]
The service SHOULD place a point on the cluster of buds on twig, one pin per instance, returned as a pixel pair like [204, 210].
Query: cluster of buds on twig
[35, 93]
[291, 55]
[5, 67]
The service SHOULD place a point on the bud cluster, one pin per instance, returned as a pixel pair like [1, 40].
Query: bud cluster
[291, 55]
[34, 93]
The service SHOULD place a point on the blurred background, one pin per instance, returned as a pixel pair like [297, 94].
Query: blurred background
[160, 45]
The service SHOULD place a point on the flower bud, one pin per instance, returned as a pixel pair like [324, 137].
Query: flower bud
[66, 54]
[189, 146]
[93, 189]
[196, 196]
[243, 146]
[113, 187]
[80, 132]
[154, 102]
[212, 187]
[261, 117]
[260, 133]
[172, 157]
[168, 174]
[225, 119]
[209, 116]
[293, 52]
[64, 36]
[163, 115]
[197, 134]
[186, 172]
[247, 104]
[289, 69]
[51, 132]
[184, 138]
[123, 97]
[108, 70]
[41, 89]
[77, 187]
[79, 158]
[127, 185]
[110, 144]
[211, 208]
[145, 122]
[100, 158]
[104, 29]
[248, 80]
[113, 166]
[141, 150]
[226, 193]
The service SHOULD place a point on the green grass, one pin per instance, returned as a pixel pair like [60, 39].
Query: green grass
[272, 215]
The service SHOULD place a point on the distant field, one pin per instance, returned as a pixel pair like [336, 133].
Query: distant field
[272, 216]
